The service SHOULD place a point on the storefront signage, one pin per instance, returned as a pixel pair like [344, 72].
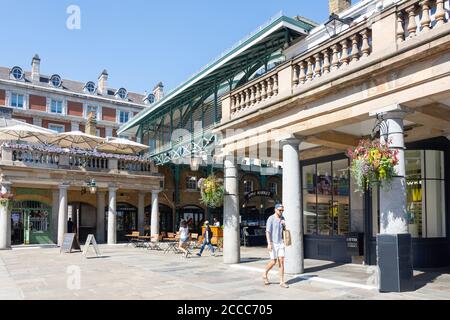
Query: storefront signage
[258, 193]
[355, 244]
[70, 243]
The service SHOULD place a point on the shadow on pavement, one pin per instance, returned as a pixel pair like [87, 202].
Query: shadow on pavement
[428, 276]
[323, 267]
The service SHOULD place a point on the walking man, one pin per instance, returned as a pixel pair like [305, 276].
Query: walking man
[275, 245]
[207, 236]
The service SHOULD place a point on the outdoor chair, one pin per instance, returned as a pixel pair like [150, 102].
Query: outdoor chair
[154, 243]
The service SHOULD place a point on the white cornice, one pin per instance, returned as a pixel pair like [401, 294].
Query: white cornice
[31, 86]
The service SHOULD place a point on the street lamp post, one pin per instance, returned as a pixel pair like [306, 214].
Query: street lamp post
[335, 24]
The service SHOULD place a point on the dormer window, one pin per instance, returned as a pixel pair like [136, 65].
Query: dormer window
[150, 98]
[17, 73]
[90, 87]
[121, 93]
[56, 81]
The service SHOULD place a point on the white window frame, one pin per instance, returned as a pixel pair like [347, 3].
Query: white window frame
[118, 111]
[9, 99]
[63, 105]
[57, 125]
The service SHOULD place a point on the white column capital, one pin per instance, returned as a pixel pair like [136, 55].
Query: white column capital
[113, 188]
[293, 140]
[5, 186]
[395, 111]
[156, 191]
[63, 186]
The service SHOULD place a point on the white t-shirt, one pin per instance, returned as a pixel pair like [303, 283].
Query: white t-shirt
[184, 233]
[217, 224]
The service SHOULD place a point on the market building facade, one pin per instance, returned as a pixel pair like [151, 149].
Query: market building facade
[48, 185]
[376, 68]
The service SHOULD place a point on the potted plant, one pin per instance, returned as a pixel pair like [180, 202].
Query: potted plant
[372, 164]
[211, 191]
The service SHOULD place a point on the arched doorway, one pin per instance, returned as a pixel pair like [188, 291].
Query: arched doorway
[126, 220]
[84, 218]
[165, 217]
[31, 223]
[195, 216]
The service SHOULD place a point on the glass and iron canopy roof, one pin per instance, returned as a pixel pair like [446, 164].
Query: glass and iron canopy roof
[268, 39]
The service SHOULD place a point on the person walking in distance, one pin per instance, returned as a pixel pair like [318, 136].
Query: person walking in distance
[207, 236]
[274, 235]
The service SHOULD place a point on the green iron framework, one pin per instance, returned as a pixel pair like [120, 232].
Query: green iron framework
[180, 125]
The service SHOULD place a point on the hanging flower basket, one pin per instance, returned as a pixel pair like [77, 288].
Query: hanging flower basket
[372, 164]
[211, 191]
[6, 200]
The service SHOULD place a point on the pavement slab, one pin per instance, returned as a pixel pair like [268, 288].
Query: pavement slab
[128, 273]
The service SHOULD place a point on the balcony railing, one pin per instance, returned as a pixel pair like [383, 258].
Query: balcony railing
[334, 56]
[261, 89]
[418, 17]
[362, 45]
[57, 158]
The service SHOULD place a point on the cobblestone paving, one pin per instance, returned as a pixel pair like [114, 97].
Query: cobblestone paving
[125, 272]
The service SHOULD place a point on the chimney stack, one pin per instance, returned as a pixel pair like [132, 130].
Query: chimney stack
[158, 92]
[91, 123]
[102, 85]
[35, 68]
[337, 6]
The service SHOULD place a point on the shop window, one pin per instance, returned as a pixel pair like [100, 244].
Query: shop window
[273, 187]
[248, 186]
[191, 183]
[326, 198]
[425, 200]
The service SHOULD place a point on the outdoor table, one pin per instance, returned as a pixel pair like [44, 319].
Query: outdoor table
[134, 239]
[145, 240]
[172, 245]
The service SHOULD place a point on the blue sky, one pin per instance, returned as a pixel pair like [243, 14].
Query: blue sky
[139, 42]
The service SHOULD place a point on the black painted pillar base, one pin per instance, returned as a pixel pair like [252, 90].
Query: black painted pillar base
[394, 253]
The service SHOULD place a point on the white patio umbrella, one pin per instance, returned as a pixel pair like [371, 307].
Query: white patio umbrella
[121, 145]
[76, 139]
[26, 132]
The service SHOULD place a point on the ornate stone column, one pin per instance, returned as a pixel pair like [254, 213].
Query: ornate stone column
[154, 223]
[231, 234]
[62, 213]
[5, 219]
[394, 243]
[141, 212]
[292, 204]
[100, 236]
[393, 215]
[112, 230]
[55, 212]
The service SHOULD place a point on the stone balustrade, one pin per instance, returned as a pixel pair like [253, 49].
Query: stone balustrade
[135, 166]
[36, 158]
[26, 157]
[86, 162]
[259, 90]
[335, 55]
[417, 17]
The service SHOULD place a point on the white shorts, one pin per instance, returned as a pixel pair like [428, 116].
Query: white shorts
[277, 251]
